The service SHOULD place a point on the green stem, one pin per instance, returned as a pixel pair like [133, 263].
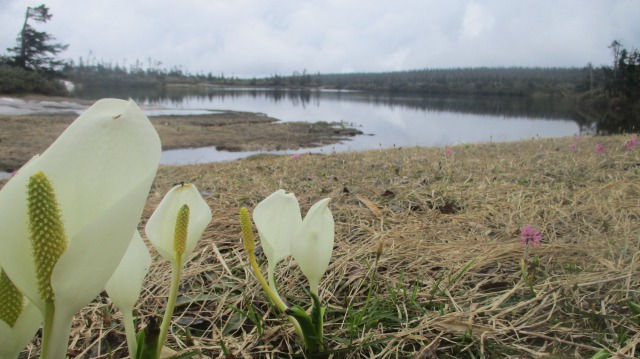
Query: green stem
[130, 331]
[296, 325]
[272, 294]
[49, 314]
[317, 315]
[265, 286]
[250, 246]
[176, 271]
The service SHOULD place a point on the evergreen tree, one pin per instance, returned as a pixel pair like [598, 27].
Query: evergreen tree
[35, 50]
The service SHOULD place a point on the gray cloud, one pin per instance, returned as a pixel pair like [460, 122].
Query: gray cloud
[257, 38]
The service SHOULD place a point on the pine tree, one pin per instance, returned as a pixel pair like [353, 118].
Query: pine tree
[35, 50]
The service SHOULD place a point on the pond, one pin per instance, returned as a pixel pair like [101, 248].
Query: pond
[387, 121]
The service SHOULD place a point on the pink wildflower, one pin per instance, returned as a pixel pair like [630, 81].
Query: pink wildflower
[600, 148]
[573, 146]
[631, 143]
[449, 151]
[530, 236]
[295, 156]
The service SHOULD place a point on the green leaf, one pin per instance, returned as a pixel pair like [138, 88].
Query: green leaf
[148, 341]
[234, 323]
[634, 307]
[602, 354]
[140, 340]
[312, 341]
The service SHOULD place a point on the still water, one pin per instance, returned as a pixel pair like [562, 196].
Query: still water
[386, 121]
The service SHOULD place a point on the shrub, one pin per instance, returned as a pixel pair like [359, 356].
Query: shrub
[14, 80]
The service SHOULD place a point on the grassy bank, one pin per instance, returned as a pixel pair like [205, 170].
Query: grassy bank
[448, 283]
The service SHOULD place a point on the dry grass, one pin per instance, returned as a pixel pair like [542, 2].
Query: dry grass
[448, 282]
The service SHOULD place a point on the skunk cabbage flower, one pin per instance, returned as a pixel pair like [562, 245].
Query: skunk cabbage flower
[284, 233]
[277, 218]
[19, 320]
[310, 242]
[313, 243]
[174, 229]
[124, 285]
[182, 201]
[270, 290]
[88, 189]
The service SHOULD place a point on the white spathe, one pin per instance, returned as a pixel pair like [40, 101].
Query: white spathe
[126, 282]
[13, 340]
[161, 226]
[313, 243]
[283, 232]
[101, 168]
[277, 218]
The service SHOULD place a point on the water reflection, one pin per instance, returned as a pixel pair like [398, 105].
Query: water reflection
[527, 107]
[399, 131]
[389, 120]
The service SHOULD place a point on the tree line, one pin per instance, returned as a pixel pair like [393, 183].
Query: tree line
[605, 94]
[612, 98]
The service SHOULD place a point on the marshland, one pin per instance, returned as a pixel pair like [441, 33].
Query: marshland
[480, 211]
[431, 235]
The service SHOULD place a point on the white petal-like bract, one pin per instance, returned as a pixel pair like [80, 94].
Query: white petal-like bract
[101, 168]
[313, 243]
[277, 218]
[161, 226]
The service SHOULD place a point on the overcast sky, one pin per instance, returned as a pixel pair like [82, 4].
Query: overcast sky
[249, 38]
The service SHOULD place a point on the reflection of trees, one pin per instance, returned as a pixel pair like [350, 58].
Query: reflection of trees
[485, 105]
[480, 105]
[528, 107]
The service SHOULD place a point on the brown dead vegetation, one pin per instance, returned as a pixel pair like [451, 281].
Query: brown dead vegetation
[448, 283]
[23, 136]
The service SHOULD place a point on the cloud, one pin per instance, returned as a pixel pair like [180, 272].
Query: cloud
[476, 20]
[260, 38]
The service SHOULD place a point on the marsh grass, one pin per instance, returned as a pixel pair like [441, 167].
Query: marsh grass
[448, 282]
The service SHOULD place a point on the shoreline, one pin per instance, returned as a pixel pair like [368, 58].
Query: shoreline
[24, 135]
